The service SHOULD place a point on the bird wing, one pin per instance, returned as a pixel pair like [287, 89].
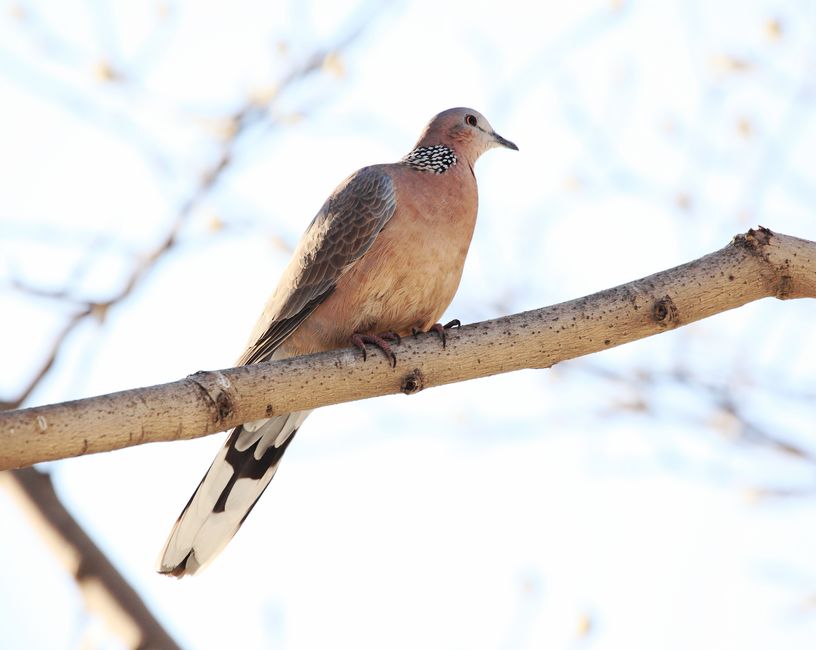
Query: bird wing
[339, 235]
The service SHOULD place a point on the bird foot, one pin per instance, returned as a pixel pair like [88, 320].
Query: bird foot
[381, 341]
[441, 330]
[391, 336]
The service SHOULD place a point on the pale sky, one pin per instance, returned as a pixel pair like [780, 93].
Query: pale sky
[540, 509]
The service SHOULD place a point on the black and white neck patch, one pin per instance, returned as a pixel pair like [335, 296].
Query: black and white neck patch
[437, 159]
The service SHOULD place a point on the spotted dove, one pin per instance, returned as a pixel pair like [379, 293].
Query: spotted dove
[384, 254]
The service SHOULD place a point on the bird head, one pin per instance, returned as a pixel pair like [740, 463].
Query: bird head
[464, 130]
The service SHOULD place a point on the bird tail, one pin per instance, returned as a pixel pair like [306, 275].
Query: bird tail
[229, 490]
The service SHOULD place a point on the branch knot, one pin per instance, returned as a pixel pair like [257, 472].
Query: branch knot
[413, 382]
[665, 312]
[215, 389]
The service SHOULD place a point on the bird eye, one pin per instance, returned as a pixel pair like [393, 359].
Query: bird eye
[470, 120]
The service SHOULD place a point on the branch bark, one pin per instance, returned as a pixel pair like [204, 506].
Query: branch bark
[757, 264]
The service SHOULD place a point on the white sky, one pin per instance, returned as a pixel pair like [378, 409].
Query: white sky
[493, 514]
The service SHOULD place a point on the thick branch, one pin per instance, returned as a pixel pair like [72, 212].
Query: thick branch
[756, 265]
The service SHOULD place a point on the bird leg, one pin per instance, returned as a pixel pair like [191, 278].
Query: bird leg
[440, 329]
[359, 340]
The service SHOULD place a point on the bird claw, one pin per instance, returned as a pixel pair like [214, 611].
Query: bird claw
[442, 330]
[391, 336]
[359, 341]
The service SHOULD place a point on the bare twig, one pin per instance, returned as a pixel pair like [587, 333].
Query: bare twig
[722, 397]
[53, 351]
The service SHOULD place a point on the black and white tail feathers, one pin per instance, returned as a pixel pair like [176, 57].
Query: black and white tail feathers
[235, 481]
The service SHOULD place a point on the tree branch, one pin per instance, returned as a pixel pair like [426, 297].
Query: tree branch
[755, 265]
[103, 587]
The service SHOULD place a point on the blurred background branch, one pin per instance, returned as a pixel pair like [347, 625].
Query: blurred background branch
[103, 588]
[162, 157]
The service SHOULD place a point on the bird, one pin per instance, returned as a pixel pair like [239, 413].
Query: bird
[382, 259]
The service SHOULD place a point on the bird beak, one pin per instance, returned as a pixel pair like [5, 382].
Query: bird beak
[502, 142]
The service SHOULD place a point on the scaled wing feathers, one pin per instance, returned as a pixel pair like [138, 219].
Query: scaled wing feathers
[343, 230]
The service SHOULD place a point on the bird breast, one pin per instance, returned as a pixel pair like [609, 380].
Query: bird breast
[411, 272]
